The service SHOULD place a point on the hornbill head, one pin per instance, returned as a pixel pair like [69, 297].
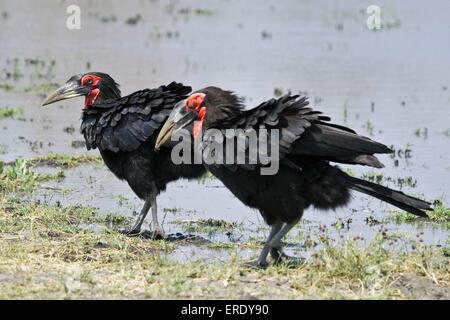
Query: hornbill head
[206, 108]
[95, 86]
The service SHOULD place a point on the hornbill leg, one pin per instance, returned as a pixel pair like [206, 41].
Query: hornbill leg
[136, 229]
[275, 243]
[158, 230]
[278, 256]
[262, 260]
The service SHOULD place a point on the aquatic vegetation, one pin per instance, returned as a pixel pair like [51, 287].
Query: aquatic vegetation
[277, 92]
[11, 113]
[6, 87]
[208, 226]
[18, 177]
[369, 127]
[66, 160]
[439, 215]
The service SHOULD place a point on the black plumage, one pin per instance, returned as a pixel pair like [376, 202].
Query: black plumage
[124, 130]
[308, 142]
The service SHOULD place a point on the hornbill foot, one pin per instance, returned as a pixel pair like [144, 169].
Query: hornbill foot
[277, 254]
[158, 233]
[279, 257]
[153, 235]
[256, 264]
[132, 232]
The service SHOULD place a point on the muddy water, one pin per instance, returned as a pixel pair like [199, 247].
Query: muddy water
[388, 84]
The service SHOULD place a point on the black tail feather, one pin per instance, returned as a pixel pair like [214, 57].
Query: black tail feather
[394, 197]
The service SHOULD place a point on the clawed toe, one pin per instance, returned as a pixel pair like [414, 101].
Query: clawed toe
[277, 254]
[255, 264]
[153, 235]
[280, 257]
[133, 232]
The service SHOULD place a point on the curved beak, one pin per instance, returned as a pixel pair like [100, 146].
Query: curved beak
[70, 90]
[178, 119]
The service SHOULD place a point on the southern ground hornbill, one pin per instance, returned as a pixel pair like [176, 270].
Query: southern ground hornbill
[308, 142]
[124, 129]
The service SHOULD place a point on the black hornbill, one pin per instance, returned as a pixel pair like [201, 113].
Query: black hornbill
[307, 141]
[124, 129]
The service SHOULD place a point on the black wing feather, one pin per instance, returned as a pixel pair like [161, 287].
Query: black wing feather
[124, 124]
[306, 132]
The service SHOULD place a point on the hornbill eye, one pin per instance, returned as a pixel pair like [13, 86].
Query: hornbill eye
[195, 101]
[89, 81]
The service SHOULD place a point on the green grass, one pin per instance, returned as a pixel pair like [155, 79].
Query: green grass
[19, 177]
[402, 216]
[250, 244]
[350, 172]
[440, 215]
[66, 160]
[11, 113]
[46, 252]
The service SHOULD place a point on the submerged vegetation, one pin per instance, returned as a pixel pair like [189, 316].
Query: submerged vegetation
[208, 226]
[11, 113]
[66, 160]
[40, 73]
[440, 215]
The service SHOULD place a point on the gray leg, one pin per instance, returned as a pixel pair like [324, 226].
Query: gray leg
[275, 244]
[262, 260]
[155, 223]
[136, 229]
[278, 254]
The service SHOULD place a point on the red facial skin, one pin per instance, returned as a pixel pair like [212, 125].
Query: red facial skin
[193, 103]
[91, 81]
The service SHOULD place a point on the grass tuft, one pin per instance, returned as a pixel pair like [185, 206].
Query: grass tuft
[440, 215]
[18, 177]
[11, 113]
[66, 161]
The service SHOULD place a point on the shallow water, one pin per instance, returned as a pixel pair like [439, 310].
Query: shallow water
[385, 84]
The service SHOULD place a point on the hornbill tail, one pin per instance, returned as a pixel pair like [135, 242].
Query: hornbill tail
[394, 197]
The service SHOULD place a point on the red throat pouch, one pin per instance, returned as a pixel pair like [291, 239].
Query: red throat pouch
[91, 98]
[198, 124]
